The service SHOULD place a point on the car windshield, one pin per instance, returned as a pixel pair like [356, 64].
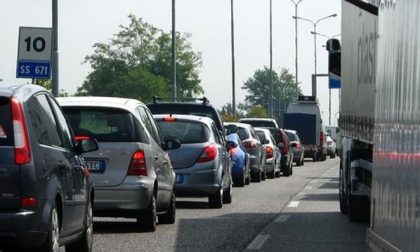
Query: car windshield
[6, 128]
[105, 124]
[261, 135]
[185, 131]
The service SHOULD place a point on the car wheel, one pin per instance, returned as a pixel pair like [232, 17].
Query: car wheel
[256, 177]
[84, 244]
[298, 163]
[216, 199]
[52, 243]
[332, 155]
[263, 175]
[272, 173]
[169, 216]
[147, 220]
[302, 162]
[240, 182]
[248, 179]
[277, 174]
[227, 195]
[286, 171]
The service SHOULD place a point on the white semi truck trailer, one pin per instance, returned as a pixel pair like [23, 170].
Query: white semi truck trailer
[380, 120]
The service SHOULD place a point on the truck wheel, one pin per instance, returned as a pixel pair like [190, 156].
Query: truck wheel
[358, 208]
[343, 199]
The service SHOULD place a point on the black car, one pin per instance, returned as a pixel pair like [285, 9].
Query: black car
[45, 191]
[202, 108]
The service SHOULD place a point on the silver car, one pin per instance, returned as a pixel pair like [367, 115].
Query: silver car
[272, 153]
[202, 164]
[131, 171]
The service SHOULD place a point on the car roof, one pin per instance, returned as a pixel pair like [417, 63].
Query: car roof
[243, 125]
[13, 89]
[291, 131]
[257, 119]
[99, 101]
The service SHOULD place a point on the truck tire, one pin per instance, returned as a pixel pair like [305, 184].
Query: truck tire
[342, 193]
[358, 208]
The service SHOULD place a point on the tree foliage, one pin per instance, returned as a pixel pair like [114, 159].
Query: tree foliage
[136, 63]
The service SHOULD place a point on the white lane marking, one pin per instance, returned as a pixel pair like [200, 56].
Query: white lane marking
[308, 188]
[282, 218]
[293, 204]
[258, 242]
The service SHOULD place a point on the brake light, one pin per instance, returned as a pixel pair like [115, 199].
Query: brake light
[22, 149]
[251, 144]
[209, 153]
[268, 152]
[80, 138]
[138, 164]
[169, 119]
[28, 202]
[321, 138]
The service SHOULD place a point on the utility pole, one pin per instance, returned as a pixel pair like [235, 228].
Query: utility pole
[296, 45]
[233, 57]
[271, 60]
[55, 79]
[173, 53]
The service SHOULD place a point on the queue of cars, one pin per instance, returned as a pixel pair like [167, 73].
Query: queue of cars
[136, 159]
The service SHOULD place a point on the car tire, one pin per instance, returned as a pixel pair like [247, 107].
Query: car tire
[332, 155]
[227, 195]
[315, 158]
[169, 216]
[298, 163]
[52, 244]
[216, 199]
[248, 179]
[286, 171]
[263, 175]
[84, 244]
[256, 177]
[302, 162]
[240, 182]
[277, 174]
[271, 174]
[147, 220]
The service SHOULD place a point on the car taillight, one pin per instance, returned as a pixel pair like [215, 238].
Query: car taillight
[321, 138]
[28, 202]
[22, 149]
[209, 153]
[268, 152]
[138, 164]
[251, 144]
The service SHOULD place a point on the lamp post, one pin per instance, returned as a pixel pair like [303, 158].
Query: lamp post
[55, 79]
[271, 60]
[296, 44]
[314, 31]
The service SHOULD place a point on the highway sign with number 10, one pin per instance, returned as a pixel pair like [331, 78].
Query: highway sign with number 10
[34, 53]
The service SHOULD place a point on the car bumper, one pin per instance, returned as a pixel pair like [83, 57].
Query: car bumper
[21, 229]
[197, 181]
[269, 166]
[132, 195]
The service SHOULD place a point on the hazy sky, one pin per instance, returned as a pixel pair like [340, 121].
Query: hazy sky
[84, 22]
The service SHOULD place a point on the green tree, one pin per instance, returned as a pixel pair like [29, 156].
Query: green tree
[257, 111]
[136, 63]
[258, 91]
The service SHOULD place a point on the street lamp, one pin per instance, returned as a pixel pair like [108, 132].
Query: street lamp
[173, 53]
[314, 31]
[296, 44]
[233, 57]
[326, 36]
[271, 60]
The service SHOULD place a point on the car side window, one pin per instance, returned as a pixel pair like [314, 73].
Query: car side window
[43, 121]
[149, 124]
[216, 134]
[155, 128]
[254, 135]
[62, 125]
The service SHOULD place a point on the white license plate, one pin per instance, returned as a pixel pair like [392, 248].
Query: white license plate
[178, 179]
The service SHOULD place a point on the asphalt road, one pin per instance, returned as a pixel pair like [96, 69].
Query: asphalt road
[296, 213]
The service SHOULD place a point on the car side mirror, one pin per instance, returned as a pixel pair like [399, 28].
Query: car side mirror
[294, 145]
[171, 144]
[86, 144]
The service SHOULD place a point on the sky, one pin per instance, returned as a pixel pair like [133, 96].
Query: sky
[81, 23]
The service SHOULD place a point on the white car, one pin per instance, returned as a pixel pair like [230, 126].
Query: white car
[330, 147]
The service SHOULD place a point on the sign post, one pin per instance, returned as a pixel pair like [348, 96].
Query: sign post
[34, 53]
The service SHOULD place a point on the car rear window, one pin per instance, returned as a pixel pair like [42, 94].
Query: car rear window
[243, 133]
[256, 123]
[187, 109]
[277, 135]
[105, 124]
[185, 131]
[291, 136]
[261, 135]
[6, 126]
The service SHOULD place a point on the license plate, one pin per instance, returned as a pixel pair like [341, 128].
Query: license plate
[178, 179]
[95, 165]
